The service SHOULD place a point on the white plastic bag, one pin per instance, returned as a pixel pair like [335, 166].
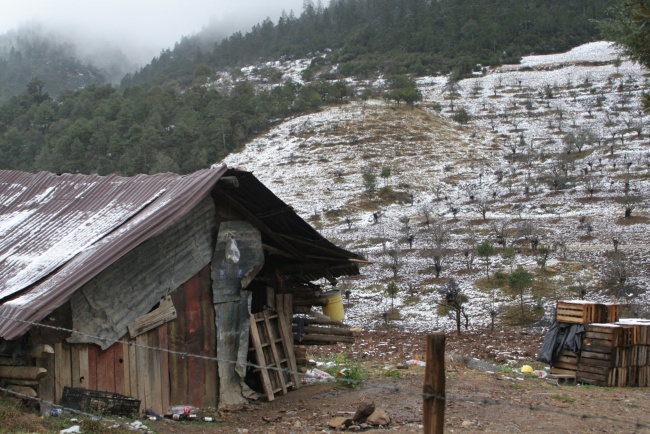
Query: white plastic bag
[316, 376]
[232, 251]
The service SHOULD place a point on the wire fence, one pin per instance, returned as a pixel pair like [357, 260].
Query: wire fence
[366, 385]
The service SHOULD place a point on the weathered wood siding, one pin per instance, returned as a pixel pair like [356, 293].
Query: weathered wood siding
[193, 380]
[104, 307]
[143, 368]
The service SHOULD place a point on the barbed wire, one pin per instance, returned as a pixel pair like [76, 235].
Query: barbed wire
[448, 398]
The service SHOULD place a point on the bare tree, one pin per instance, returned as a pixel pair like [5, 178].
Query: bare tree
[426, 213]
[469, 251]
[591, 184]
[439, 250]
[394, 262]
[530, 232]
[482, 206]
[453, 300]
[616, 276]
[630, 204]
[502, 231]
[561, 246]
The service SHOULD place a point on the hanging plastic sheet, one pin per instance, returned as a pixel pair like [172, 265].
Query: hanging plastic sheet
[558, 337]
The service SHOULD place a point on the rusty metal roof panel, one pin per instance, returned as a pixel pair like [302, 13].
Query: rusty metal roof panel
[58, 231]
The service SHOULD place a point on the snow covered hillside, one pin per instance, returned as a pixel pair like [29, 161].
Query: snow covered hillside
[553, 153]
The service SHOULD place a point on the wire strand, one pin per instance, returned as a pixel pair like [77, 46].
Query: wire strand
[346, 381]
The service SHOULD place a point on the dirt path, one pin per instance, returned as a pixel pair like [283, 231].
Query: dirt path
[477, 401]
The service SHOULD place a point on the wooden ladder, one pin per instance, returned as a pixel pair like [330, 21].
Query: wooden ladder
[272, 342]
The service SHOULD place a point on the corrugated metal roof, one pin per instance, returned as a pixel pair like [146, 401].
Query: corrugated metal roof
[58, 231]
[314, 257]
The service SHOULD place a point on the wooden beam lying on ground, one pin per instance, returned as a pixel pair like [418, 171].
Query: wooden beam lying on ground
[22, 372]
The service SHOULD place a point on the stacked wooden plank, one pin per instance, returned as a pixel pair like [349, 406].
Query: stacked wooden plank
[316, 331]
[616, 354]
[24, 381]
[639, 367]
[606, 355]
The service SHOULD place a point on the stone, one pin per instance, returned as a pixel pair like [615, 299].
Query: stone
[337, 422]
[365, 409]
[467, 423]
[402, 366]
[379, 417]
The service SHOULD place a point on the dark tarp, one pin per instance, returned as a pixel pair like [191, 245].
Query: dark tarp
[558, 337]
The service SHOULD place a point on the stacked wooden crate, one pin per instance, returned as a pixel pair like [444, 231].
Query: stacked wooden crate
[606, 355]
[579, 312]
[614, 352]
[639, 366]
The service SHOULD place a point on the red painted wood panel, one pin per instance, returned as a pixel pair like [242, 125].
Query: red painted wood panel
[106, 370]
[118, 361]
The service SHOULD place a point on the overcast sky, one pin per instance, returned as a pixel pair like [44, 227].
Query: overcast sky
[149, 25]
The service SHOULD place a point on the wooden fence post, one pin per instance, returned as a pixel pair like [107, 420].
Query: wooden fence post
[433, 391]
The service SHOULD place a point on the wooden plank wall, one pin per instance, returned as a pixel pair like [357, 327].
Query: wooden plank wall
[193, 380]
[158, 378]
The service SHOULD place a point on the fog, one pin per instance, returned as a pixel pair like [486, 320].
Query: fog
[140, 28]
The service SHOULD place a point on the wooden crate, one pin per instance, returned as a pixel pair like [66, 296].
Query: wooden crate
[640, 330]
[566, 364]
[596, 375]
[577, 312]
[613, 312]
[610, 335]
[585, 312]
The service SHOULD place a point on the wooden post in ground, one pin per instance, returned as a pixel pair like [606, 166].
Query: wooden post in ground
[433, 391]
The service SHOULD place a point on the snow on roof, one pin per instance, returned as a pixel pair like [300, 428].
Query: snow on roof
[58, 231]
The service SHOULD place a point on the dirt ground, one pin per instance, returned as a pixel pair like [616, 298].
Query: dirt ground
[478, 401]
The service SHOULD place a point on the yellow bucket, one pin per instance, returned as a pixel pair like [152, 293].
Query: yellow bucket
[334, 307]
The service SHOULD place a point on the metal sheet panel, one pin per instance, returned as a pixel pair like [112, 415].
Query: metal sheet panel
[58, 232]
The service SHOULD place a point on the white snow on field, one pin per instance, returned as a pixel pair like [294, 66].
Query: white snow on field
[507, 158]
[601, 51]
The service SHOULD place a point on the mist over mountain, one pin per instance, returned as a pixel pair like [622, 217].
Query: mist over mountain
[35, 52]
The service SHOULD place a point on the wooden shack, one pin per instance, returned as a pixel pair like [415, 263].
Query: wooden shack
[147, 286]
